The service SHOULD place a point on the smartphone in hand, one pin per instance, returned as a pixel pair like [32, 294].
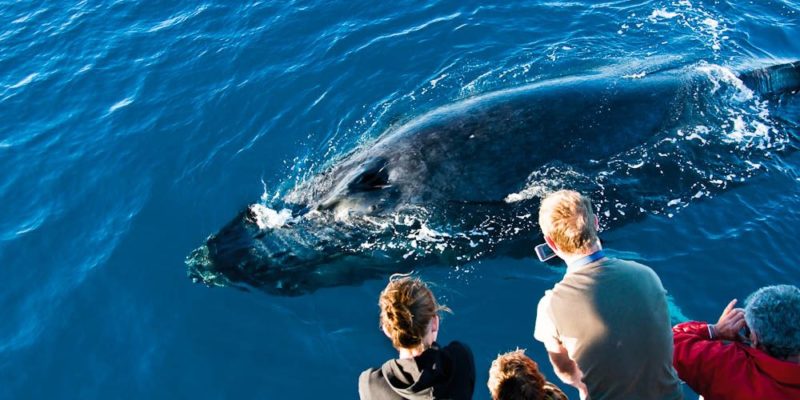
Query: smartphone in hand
[544, 252]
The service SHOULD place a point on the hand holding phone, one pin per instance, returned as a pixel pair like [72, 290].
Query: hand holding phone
[544, 252]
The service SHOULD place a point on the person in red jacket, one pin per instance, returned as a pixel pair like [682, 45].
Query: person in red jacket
[750, 353]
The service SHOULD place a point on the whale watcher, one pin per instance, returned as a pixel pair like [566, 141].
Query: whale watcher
[409, 317]
[605, 325]
[514, 376]
[750, 353]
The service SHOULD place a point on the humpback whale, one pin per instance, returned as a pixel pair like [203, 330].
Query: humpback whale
[463, 181]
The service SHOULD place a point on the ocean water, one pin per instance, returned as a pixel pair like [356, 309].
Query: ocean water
[134, 129]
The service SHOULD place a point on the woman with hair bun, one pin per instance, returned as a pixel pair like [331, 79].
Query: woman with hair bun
[423, 370]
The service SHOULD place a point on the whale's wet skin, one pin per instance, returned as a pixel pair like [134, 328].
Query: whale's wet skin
[464, 181]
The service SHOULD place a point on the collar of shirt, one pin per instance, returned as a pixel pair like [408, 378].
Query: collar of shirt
[584, 261]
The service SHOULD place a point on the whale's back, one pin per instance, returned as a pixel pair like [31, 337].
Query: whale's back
[485, 148]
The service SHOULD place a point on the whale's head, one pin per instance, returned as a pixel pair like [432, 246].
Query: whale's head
[272, 251]
[313, 241]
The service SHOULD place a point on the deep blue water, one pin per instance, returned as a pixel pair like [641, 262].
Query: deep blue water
[134, 129]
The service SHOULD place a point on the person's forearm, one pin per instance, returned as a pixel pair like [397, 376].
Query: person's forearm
[567, 370]
[570, 377]
[573, 377]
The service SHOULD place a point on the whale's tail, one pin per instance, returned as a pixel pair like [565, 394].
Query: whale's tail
[775, 79]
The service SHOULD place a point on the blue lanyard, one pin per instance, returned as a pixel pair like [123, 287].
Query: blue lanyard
[588, 259]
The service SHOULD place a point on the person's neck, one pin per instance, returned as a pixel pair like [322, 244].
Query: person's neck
[572, 257]
[411, 353]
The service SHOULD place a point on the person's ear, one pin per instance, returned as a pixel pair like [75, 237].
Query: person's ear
[386, 332]
[551, 243]
[434, 328]
[754, 339]
[596, 224]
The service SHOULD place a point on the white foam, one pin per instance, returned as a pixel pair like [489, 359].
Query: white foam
[425, 234]
[752, 164]
[536, 189]
[695, 135]
[265, 194]
[267, 218]
[404, 220]
[435, 82]
[640, 75]
[636, 166]
[718, 74]
[711, 23]
[713, 26]
[542, 182]
[176, 20]
[709, 26]
[662, 13]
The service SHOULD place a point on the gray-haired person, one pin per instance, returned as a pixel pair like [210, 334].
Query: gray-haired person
[750, 353]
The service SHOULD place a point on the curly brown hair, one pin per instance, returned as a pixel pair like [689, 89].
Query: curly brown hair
[514, 376]
[407, 308]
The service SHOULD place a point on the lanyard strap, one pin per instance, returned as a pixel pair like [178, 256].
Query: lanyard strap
[588, 259]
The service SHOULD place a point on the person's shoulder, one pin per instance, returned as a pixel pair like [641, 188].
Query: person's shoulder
[463, 365]
[548, 294]
[458, 347]
[640, 275]
[460, 352]
[370, 383]
[544, 308]
[372, 375]
[369, 374]
[633, 266]
[623, 262]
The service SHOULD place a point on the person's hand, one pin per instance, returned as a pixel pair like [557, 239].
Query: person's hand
[583, 391]
[729, 323]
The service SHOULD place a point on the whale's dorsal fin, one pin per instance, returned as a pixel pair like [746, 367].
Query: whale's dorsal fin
[773, 80]
[374, 176]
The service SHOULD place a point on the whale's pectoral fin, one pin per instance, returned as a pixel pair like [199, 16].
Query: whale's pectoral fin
[375, 176]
